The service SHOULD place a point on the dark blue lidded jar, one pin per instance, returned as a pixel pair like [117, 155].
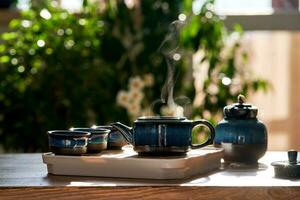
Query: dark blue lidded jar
[242, 135]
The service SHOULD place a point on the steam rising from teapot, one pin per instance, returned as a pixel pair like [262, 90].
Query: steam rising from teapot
[168, 48]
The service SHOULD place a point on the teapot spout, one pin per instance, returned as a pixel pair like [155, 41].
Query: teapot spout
[126, 131]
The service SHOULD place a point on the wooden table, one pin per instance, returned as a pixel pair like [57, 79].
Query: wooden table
[24, 176]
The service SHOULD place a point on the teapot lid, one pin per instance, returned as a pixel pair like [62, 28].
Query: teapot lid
[160, 119]
[240, 110]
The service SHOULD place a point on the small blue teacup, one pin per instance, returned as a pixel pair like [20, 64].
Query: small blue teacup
[98, 139]
[66, 142]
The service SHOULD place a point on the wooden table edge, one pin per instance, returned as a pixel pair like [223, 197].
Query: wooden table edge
[150, 192]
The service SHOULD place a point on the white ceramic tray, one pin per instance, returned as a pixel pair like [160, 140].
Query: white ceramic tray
[127, 164]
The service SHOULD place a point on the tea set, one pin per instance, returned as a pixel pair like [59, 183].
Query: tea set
[241, 134]
[153, 135]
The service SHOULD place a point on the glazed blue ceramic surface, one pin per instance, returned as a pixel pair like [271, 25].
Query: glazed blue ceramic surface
[67, 143]
[67, 139]
[251, 131]
[97, 136]
[163, 134]
[115, 138]
[98, 139]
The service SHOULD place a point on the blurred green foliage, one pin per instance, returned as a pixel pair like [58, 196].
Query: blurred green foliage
[59, 69]
[227, 74]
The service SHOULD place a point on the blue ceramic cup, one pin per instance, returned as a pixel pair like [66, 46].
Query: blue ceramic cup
[163, 134]
[66, 142]
[98, 139]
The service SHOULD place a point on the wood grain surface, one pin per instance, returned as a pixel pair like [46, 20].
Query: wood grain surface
[24, 176]
[146, 193]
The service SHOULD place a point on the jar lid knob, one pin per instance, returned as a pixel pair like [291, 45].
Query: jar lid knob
[241, 99]
[292, 154]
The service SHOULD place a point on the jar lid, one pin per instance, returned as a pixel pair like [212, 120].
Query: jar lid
[288, 169]
[240, 110]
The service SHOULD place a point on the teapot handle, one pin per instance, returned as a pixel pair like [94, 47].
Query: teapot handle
[211, 129]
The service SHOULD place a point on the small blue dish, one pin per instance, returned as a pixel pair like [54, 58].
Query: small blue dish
[115, 139]
[66, 142]
[98, 139]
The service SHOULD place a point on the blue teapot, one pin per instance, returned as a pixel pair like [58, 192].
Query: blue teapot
[163, 134]
[241, 134]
